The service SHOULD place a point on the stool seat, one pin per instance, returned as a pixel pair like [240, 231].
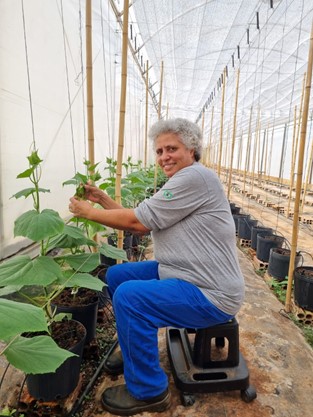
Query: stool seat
[199, 366]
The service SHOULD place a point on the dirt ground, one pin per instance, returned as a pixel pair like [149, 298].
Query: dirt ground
[279, 360]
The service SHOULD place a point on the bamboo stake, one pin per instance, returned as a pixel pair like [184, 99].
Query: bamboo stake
[203, 157]
[292, 162]
[210, 139]
[247, 151]
[226, 146]
[234, 135]
[146, 121]
[307, 177]
[89, 82]
[118, 197]
[221, 125]
[255, 148]
[159, 117]
[295, 143]
[266, 149]
[299, 173]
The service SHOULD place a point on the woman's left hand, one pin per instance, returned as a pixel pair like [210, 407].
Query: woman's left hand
[80, 208]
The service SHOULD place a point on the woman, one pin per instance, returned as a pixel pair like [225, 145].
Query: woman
[195, 280]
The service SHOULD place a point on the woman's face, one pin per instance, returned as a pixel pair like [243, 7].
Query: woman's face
[172, 154]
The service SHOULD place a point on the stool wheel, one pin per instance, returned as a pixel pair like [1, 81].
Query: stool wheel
[187, 399]
[248, 394]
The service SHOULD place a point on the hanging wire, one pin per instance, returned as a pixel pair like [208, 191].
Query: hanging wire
[105, 79]
[82, 79]
[28, 76]
[68, 86]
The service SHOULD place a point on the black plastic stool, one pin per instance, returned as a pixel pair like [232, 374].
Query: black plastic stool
[194, 367]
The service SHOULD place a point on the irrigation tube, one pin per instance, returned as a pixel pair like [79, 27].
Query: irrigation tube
[92, 381]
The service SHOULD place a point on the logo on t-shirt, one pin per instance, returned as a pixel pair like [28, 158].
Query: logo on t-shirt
[167, 194]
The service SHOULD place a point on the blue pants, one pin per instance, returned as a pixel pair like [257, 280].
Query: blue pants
[142, 304]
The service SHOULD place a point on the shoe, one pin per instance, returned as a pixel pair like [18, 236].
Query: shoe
[117, 400]
[114, 365]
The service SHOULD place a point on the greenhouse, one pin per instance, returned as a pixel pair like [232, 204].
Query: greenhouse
[156, 148]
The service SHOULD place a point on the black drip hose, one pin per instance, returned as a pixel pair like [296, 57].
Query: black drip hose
[92, 381]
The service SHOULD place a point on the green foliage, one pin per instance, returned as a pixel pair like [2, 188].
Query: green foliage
[39, 354]
[280, 289]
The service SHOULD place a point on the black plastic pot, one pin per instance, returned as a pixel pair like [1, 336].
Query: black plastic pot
[234, 209]
[236, 218]
[245, 226]
[303, 287]
[85, 314]
[265, 244]
[127, 246]
[56, 385]
[278, 265]
[104, 296]
[259, 230]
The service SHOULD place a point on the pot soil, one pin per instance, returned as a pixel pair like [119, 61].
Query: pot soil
[70, 335]
[83, 306]
[303, 287]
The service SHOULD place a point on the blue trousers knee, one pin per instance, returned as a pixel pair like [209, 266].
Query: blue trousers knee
[142, 304]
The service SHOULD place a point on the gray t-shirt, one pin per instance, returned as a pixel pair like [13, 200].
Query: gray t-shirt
[193, 233]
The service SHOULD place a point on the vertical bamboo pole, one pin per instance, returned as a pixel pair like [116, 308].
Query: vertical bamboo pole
[295, 142]
[89, 82]
[221, 125]
[118, 197]
[307, 178]
[203, 157]
[266, 149]
[210, 139]
[299, 173]
[255, 149]
[159, 117]
[247, 151]
[234, 135]
[146, 120]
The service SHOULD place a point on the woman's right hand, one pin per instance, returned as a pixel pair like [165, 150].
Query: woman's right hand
[93, 193]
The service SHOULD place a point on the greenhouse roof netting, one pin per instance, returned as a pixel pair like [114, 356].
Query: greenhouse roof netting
[201, 41]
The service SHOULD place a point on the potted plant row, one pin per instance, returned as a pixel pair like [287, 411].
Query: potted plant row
[30, 287]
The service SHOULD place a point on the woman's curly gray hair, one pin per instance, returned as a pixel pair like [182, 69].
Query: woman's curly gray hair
[189, 133]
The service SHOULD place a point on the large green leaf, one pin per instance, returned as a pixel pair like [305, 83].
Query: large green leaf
[76, 279]
[83, 262]
[22, 270]
[17, 318]
[71, 237]
[38, 226]
[36, 355]
[113, 252]
[28, 191]
[10, 289]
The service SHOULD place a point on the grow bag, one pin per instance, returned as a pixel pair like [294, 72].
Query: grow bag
[303, 287]
[59, 384]
[278, 265]
[234, 209]
[265, 244]
[259, 230]
[84, 311]
[244, 227]
[236, 218]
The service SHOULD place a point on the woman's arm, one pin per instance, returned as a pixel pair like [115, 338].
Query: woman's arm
[117, 218]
